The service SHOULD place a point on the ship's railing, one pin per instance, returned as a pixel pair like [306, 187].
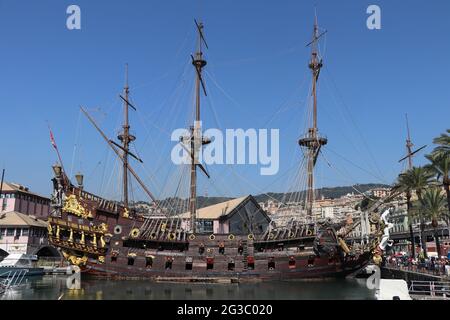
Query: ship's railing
[425, 268]
[11, 279]
[103, 203]
[430, 288]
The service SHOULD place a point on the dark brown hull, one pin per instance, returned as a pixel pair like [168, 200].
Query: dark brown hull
[261, 272]
[103, 244]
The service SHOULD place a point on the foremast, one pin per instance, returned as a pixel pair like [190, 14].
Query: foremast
[312, 142]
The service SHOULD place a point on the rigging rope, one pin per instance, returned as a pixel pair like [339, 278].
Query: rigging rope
[353, 187]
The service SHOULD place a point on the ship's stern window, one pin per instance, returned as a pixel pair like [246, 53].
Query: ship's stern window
[201, 249]
[131, 261]
[148, 262]
[114, 259]
[291, 263]
[240, 249]
[209, 263]
[251, 263]
[231, 266]
[169, 263]
[221, 247]
[271, 264]
[189, 264]
[311, 261]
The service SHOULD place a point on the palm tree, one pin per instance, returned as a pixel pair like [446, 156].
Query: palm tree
[434, 208]
[366, 203]
[404, 183]
[416, 179]
[440, 165]
[443, 143]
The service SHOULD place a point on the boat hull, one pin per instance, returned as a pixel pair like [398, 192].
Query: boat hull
[114, 244]
[7, 271]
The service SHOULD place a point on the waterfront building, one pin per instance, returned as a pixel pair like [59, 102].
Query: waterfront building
[18, 198]
[22, 234]
[236, 216]
[380, 192]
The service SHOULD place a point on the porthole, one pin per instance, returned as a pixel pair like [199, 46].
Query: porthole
[172, 236]
[135, 233]
[118, 230]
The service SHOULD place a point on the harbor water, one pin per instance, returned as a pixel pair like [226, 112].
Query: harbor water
[52, 287]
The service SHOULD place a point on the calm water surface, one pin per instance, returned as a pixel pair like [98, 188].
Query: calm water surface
[54, 287]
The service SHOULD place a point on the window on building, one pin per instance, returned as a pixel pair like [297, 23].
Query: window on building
[10, 232]
[25, 231]
[206, 226]
[2, 231]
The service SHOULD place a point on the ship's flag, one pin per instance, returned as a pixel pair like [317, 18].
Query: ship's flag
[52, 140]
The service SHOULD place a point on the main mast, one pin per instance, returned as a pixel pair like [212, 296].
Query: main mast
[312, 142]
[196, 138]
[126, 138]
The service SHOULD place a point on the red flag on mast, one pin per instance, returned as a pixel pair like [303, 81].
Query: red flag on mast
[52, 140]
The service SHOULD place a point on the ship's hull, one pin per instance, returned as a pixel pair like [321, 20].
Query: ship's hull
[106, 241]
[261, 272]
[26, 272]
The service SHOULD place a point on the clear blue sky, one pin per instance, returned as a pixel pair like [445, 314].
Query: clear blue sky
[257, 69]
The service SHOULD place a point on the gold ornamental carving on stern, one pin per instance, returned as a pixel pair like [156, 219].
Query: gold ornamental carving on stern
[72, 205]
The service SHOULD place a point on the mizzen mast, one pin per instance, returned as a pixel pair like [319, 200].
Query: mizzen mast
[409, 147]
[312, 141]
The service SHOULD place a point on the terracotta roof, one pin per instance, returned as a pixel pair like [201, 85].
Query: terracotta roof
[218, 210]
[9, 187]
[14, 218]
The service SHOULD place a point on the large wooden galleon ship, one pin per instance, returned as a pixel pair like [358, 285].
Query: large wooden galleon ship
[111, 239]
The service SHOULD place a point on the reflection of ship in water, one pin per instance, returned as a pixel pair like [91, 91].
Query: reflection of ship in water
[54, 288]
[231, 240]
[272, 290]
